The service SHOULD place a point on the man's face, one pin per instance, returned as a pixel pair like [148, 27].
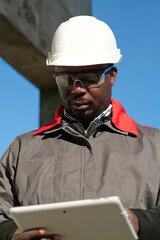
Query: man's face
[86, 104]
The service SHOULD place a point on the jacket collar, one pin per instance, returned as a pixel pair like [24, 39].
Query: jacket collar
[120, 119]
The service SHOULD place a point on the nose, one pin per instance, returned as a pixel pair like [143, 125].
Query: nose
[78, 87]
[77, 83]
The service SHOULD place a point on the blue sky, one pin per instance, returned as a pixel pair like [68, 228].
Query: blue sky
[136, 28]
[19, 105]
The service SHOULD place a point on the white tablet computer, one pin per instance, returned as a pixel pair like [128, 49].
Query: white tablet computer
[93, 219]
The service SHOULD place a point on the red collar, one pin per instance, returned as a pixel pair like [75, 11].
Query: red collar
[120, 119]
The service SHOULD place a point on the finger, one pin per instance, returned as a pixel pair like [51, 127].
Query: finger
[57, 236]
[28, 235]
[133, 218]
[18, 231]
[34, 233]
[51, 237]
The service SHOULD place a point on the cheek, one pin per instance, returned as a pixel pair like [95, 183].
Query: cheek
[107, 90]
[103, 96]
[63, 94]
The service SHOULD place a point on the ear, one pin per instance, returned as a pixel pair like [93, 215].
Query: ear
[113, 76]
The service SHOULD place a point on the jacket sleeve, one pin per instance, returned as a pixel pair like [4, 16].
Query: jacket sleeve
[149, 221]
[7, 229]
[8, 197]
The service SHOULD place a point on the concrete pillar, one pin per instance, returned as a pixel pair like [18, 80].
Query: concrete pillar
[50, 101]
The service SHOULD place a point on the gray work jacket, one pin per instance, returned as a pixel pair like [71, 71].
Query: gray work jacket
[60, 162]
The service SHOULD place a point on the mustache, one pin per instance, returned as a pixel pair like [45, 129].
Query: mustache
[79, 100]
[79, 97]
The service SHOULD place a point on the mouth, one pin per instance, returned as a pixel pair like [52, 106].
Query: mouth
[80, 105]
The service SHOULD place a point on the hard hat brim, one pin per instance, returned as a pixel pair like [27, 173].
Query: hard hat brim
[61, 60]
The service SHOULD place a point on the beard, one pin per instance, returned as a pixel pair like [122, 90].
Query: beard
[85, 117]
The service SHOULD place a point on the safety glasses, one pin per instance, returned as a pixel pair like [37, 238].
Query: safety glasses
[87, 80]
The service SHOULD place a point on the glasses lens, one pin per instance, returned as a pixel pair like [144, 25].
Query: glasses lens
[62, 81]
[89, 77]
[88, 80]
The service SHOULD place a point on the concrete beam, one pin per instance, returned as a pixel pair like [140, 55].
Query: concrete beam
[38, 19]
[22, 55]
[27, 27]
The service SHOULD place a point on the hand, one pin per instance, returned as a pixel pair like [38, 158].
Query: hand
[34, 234]
[134, 219]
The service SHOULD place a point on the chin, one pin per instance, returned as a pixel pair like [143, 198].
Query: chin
[85, 116]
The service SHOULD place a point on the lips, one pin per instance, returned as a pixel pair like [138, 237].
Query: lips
[80, 105]
[80, 102]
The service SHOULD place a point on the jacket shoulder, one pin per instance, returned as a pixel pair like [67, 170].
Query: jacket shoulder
[24, 137]
[20, 140]
[147, 130]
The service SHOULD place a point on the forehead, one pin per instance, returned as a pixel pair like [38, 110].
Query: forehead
[59, 69]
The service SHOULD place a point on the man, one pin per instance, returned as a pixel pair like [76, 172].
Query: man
[92, 148]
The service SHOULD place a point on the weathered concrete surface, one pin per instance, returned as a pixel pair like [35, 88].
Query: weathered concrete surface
[26, 30]
[38, 19]
[18, 51]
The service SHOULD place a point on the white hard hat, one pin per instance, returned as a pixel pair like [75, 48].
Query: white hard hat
[83, 40]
